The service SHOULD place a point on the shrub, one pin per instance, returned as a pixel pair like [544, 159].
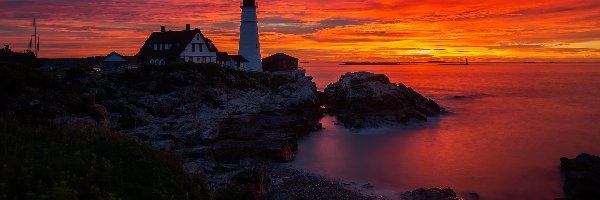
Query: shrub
[14, 79]
[92, 164]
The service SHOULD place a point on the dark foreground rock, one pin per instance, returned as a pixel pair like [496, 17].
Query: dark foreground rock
[430, 194]
[364, 99]
[582, 176]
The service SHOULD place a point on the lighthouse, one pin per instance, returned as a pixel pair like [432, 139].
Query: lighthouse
[249, 42]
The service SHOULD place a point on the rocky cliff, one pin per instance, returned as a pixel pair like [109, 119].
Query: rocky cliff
[220, 121]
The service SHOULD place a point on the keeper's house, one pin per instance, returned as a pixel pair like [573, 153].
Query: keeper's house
[178, 46]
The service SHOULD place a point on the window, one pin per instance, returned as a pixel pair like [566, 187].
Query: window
[200, 47]
[155, 47]
[193, 47]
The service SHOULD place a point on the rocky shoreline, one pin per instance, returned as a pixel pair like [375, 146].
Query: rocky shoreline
[230, 127]
[294, 184]
[226, 125]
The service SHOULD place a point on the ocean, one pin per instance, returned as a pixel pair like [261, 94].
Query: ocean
[510, 123]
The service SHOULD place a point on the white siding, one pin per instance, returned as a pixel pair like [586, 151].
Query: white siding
[197, 56]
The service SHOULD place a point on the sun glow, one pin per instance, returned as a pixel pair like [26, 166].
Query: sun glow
[379, 30]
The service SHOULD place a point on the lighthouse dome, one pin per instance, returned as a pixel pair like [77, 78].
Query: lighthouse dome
[249, 3]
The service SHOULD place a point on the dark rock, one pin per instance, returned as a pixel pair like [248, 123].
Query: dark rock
[582, 176]
[75, 122]
[368, 185]
[364, 99]
[430, 194]
[276, 196]
[101, 116]
[255, 178]
[165, 145]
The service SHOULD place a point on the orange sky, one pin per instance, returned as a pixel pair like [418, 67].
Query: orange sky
[326, 30]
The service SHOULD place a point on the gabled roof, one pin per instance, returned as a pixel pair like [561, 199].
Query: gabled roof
[179, 40]
[223, 56]
[239, 58]
[114, 57]
[280, 56]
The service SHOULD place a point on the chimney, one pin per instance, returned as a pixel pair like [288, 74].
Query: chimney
[187, 27]
[162, 29]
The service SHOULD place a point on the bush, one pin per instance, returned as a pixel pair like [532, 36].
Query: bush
[67, 164]
[15, 78]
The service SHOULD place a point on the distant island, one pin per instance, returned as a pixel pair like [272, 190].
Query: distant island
[371, 63]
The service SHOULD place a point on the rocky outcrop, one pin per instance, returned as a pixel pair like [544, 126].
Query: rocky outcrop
[582, 176]
[214, 118]
[364, 99]
[430, 194]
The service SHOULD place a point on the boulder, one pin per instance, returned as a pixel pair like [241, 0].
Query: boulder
[364, 99]
[164, 145]
[254, 178]
[101, 115]
[582, 176]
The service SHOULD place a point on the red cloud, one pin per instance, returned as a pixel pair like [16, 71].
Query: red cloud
[319, 29]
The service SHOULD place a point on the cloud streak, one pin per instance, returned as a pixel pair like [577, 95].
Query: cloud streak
[387, 30]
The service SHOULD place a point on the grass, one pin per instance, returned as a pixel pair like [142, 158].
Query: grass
[88, 164]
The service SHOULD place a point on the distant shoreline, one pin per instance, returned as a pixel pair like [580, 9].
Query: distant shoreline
[371, 63]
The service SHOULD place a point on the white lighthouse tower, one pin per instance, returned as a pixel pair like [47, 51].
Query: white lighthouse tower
[249, 42]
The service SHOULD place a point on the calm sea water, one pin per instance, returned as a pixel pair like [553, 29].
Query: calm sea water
[502, 141]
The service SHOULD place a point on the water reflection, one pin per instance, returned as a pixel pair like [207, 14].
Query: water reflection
[504, 139]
